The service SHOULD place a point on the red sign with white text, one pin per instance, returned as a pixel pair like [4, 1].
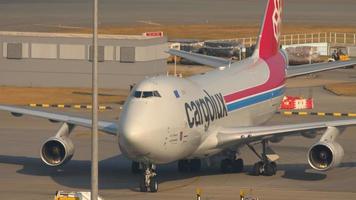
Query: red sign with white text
[153, 34]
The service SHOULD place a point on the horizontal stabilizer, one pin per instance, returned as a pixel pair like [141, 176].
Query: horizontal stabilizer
[318, 67]
[211, 61]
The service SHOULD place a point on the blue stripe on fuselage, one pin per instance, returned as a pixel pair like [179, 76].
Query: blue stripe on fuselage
[255, 99]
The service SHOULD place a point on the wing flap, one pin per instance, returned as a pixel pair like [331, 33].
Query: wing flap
[107, 127]
[229, 136]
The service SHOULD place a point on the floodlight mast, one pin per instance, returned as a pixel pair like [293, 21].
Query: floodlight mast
[94, 151]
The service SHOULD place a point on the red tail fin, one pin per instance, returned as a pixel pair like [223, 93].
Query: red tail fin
[268, 41]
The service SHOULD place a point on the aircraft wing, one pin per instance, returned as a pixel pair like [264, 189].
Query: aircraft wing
[318, 67]
[231, 136]
[107, 127]
[211, 61]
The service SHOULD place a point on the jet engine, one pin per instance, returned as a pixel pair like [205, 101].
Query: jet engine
[325, 155]
[59, 149]
[276, 139]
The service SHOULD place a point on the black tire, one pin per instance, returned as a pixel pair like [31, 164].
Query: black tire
[274, 165]
[180, 165]
[268, 170]
[135, 167]
[238, 165]
[143, 187]
[195, 165]
[153, 185]
[183, 166]
[226, 166]
[256, 170]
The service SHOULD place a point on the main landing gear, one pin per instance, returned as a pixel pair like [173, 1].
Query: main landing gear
[189, 165]
[265, 166]
[148, 180]
[135, 167]
[232, 164]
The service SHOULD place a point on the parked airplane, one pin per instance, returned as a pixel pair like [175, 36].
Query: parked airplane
[168, 119]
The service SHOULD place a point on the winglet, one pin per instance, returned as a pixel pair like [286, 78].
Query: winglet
[268, 40]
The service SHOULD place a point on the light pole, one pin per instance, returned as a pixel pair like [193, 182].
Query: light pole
[94, 150]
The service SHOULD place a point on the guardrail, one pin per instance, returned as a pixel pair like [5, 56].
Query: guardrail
[305, 38]
[76, 106]
[334, 114]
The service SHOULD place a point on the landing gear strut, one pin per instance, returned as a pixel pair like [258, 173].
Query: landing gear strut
[263, 167]
[232, 164]
[148, 180]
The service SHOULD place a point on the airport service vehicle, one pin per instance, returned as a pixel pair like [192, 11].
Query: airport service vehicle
[339, 54]
[167, 118]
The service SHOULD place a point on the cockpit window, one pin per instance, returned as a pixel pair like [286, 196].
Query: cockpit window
[156, 94]
[146, 94]
[137, 94]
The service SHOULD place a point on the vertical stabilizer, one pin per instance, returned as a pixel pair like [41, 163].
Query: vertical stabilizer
[269, 37]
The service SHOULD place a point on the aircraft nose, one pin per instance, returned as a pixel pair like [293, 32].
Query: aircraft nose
[131, 139]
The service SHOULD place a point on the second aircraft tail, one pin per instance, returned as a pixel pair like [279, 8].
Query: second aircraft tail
[269, 37]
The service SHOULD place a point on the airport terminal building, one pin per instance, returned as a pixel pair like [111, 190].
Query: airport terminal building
[64, 60]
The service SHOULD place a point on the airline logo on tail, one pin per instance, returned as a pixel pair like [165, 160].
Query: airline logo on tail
[268, 45]
[277, 18]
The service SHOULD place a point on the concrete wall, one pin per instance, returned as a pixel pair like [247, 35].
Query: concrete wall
[63, 60]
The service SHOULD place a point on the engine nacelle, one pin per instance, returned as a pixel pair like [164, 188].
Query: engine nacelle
[324, 155]
[57, 151]
[276, 139]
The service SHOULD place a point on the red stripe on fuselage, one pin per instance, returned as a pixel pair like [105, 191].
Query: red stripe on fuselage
[276, 65]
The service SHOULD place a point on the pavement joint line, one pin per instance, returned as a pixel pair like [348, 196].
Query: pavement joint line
[76, 106]
[303, 113]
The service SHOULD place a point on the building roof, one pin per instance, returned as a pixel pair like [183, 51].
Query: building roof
[72, 35]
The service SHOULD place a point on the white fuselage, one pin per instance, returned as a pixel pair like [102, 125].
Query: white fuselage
[183, 121]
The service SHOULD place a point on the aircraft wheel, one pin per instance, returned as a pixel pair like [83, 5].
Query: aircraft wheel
[195, 165]
[238, 165]
[226, 166]
[274, 165]
[143, 187]
[183, 166]
[268, 169]
[153, 184]
[256, 170]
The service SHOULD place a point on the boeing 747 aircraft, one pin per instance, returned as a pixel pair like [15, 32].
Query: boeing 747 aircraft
[167, 118]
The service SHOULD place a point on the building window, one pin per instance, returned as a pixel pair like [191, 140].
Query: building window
[127, 54]
[101, 53]
[14, 51]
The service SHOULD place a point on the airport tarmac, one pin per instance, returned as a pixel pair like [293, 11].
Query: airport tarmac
[23, 176]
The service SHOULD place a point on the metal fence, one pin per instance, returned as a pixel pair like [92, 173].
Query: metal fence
[304, 38]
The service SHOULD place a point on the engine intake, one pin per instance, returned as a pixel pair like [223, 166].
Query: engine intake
[56, 151]
[323, 156]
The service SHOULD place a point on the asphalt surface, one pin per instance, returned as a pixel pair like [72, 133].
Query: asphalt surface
[41, 15]
[23, 176]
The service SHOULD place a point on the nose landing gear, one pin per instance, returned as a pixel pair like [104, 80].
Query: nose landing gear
[265, 166]
[148, 180]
